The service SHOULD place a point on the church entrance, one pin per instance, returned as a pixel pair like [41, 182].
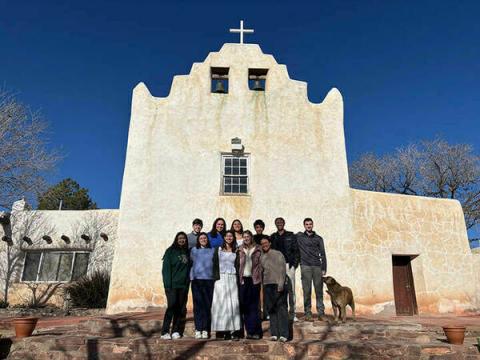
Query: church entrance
[403, 287]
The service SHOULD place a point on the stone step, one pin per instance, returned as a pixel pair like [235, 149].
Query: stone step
[118, 328]
[71, 347]
[120, 338]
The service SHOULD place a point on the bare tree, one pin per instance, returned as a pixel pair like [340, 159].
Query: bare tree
[372, 172]
[40, 293]
[24, 157]
[430, 168]
[25, 227]
[100, 229]
[405, 179]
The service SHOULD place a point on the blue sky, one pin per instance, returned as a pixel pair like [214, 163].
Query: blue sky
[408, 70]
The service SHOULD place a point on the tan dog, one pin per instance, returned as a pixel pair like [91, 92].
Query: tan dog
[341, 296]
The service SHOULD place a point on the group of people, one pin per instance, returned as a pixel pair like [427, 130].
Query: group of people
[237, 278]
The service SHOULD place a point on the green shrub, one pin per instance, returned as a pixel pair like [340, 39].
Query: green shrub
[3, 304]
[90, 291]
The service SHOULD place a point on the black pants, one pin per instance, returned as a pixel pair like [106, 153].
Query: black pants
[183, 320]
[202, 293]
[276, 304]
[176, 300]
[249, 300]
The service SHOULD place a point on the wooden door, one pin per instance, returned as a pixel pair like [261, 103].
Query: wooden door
[403, 287]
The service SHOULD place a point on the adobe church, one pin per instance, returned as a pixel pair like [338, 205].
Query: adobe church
[238, 138]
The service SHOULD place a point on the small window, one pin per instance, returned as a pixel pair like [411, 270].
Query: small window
[54, 266]
[235, 174]
[257, 79]
[219, 77]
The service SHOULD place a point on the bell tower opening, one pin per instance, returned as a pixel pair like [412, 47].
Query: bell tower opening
[219, 80]
[257, 79]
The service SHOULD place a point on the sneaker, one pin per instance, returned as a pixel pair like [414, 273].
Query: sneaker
[198, 334]
[295, 319]
[204, 334]
[322, 317]
[234, 336]
[166, 337]
[282, 339]
[308, 317]
[176, 336]
[273, 338]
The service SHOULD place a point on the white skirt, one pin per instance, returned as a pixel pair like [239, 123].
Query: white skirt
[225, 305]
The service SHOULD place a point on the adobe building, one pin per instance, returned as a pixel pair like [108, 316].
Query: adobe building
[238, 138]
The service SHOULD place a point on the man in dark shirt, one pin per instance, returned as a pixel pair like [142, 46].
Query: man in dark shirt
[259, 227]
[286, 242]
[313, 264]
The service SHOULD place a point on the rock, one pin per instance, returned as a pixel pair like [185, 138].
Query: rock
[423, 339]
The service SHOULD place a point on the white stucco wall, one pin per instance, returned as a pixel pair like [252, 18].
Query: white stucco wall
[35, 224]
[298, 168]
[173, 169]
[444, 269]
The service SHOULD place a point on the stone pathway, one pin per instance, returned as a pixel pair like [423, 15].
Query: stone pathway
[137, 336]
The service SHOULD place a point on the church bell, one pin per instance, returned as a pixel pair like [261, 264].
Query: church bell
[257, 85]
[219, 89]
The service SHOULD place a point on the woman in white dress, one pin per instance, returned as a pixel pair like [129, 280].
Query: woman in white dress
[226, 305]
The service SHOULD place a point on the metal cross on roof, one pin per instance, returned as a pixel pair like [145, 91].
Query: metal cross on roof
[241, 31]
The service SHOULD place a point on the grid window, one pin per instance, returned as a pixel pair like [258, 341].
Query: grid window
[235, 174]
[54, 266]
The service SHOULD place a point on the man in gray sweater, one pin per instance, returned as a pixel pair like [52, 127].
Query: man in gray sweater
[197, 226]
[313, 264]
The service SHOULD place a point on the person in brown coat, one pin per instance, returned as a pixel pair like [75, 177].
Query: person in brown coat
[274, 279]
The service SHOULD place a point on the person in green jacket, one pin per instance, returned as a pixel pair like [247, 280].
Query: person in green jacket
[175, 272]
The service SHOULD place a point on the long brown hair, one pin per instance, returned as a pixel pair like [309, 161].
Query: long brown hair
[176, 245]
[234, 243]
[213, 232]
[241, 226]
[198, 246]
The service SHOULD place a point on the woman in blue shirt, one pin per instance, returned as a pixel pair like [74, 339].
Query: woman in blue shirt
[216, 235]
[201, 275]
